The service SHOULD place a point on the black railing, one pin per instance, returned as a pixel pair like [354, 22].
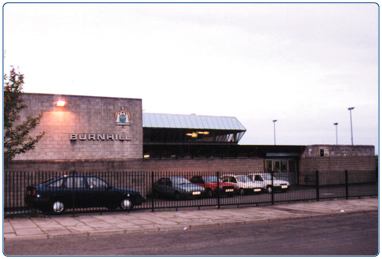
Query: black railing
[33, 192]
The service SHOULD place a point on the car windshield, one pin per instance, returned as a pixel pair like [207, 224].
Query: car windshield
[243, 178]
[180, 180]
[212, 179]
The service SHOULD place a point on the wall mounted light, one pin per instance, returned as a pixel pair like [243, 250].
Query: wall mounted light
[193, 134]
[60, 103]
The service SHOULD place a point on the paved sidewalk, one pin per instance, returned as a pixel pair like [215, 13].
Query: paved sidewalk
[183, 219]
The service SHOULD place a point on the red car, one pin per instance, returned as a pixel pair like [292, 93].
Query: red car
[210, 183]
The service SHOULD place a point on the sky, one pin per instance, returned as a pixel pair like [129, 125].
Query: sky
[302, 64]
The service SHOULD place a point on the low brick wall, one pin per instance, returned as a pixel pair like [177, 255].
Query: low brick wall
[181, 165]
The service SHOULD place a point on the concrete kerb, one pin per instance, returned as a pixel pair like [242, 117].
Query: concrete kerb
[183, 220]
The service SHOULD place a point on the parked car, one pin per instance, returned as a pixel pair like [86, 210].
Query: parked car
[178, 188]
[210, 184]
[265, 180]
[79, 191]
[243, 183]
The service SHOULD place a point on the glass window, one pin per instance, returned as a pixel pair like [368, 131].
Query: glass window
[292, 166]
[57, 183]
[284, 166]
[94, 182]
[243, 178]
[276, 166]
[268, 166]
[75, 182]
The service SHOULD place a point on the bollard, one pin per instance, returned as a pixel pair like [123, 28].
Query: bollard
[317, 187]
[347, 184]
[152, 191]
[218, 192]
[273, 191]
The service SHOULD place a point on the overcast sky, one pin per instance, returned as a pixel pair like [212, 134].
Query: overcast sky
[302, 64]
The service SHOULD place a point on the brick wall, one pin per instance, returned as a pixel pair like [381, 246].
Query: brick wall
[183, 165]
[338, 157]
[83, 115]
[360, 161]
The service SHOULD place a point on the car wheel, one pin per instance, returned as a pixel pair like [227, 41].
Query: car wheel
[155, 194]
[241, 192]
[269, 189]
[126, 204]
[111, 206]
[209, 193]
[57, 206]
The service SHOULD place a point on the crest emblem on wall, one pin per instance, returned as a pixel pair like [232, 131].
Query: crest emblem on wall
[122, 117]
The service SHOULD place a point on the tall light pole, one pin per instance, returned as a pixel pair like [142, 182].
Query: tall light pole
[335, 124]
[274, 130]
[351, 125]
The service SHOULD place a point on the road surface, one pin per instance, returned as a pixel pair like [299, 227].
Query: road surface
[341, 234]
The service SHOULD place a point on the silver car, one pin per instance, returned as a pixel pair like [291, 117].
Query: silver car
[178, 188]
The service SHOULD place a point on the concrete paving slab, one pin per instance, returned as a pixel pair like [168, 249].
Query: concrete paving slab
[66, 221]
[28, 231]
[58, 232]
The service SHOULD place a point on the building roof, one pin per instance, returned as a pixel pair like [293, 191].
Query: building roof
[175, 121]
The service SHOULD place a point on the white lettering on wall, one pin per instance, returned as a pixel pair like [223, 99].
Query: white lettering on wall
[102, 137]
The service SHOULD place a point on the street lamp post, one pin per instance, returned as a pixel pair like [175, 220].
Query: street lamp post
[351, 125]
[274, 130]
[336, 124]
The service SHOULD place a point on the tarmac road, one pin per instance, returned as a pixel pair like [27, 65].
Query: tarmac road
[337, 234]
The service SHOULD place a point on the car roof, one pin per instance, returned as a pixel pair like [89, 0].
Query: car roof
[176, 177]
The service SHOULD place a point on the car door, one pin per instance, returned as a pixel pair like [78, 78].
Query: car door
[169, 187]
[76, 192]
[159, 186]
[100, 192]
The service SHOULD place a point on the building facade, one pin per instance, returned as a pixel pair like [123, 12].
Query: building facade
[85, 133]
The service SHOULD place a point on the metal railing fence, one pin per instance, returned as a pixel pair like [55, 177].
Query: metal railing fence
[160, 190]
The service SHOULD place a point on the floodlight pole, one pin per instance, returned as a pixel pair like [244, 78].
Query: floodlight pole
[274, 131]
[351, 125]
[336, 124]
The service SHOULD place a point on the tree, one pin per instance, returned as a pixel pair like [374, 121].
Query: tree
[16, 133]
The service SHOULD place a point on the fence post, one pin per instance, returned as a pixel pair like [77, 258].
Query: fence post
[152, 191]
[218, 188]
[317, 187]
[347, 184]
[273, 191]
[73, 173]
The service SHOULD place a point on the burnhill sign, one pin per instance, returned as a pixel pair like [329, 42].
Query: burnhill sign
[98, 137]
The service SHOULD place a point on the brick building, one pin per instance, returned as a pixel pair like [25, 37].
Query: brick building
[112, 134]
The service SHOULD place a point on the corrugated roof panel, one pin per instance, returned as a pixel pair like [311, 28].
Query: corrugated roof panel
[157, 120]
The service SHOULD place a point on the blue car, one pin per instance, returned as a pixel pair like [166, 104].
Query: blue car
[79, 191]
